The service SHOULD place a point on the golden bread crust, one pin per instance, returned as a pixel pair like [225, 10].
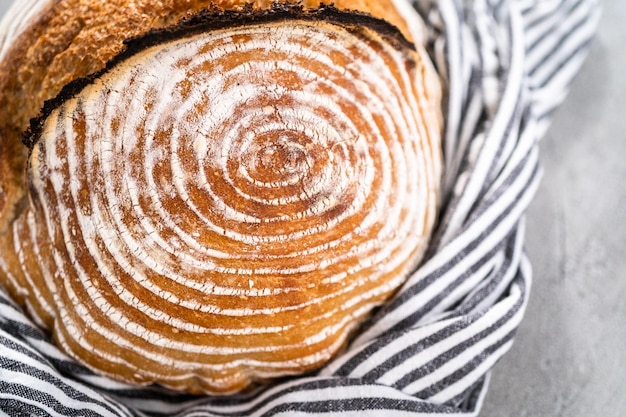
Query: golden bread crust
[71, 39]
[223, 205]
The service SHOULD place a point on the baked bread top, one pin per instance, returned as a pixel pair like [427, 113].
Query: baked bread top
[221, 200]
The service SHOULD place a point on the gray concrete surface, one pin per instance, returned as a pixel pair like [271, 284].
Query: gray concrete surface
[569, 358]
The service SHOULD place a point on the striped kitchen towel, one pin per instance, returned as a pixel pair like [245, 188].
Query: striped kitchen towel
[506, 66]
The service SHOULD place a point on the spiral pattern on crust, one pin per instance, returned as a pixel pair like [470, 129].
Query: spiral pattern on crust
[225, 207]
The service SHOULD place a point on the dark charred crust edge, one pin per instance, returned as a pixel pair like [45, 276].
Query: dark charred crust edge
[215, 18]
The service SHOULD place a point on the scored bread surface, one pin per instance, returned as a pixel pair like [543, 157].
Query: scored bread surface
[224, 206]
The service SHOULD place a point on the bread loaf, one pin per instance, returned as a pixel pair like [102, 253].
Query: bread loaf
[210, 202]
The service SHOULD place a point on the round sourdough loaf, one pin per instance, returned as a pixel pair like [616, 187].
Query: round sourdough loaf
[218, 200]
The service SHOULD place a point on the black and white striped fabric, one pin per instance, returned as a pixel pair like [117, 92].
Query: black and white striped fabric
[506, 65]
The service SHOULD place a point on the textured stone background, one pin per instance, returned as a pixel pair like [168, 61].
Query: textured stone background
[569, 358]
